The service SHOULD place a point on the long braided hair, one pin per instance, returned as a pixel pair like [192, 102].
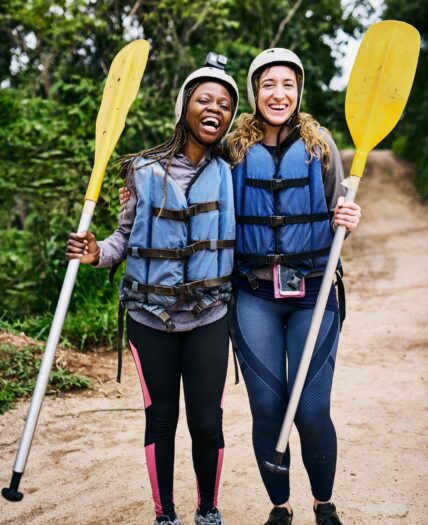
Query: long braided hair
[174, 145]
[167, 150]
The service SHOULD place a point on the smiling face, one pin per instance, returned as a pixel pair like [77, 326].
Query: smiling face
[277, 94]
[209, 112]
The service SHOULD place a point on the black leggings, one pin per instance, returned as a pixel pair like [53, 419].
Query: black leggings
[200, 357]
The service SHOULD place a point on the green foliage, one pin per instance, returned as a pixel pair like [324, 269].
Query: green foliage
[54, 57]
[410, 138]
[18, 373]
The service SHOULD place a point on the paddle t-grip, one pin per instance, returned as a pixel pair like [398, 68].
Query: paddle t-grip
[276, 466]
[12, 493]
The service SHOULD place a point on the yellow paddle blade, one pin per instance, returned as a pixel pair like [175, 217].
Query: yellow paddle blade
[379, 85]
[121, 88]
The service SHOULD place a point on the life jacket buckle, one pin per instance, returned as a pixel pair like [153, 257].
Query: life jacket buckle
[188, 250]
[252, 279]
[275, 220]
[191, 210]
[272, 258]
[197, 309]
[274, 184]
[192, 248]
[170, 326]
[186, 289]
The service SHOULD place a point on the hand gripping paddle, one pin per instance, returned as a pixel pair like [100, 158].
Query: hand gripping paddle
[377, 93]
[121, 88]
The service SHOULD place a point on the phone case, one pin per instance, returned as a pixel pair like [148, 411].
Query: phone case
[279, 286]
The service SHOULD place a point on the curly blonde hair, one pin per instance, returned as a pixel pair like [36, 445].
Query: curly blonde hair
[249, 129]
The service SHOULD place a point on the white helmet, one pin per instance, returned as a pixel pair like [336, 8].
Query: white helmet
[214, 69]
[276, 55]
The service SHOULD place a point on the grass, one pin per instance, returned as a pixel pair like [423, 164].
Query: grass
[18, 373]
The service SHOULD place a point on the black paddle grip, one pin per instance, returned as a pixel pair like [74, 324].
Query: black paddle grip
[12, 493]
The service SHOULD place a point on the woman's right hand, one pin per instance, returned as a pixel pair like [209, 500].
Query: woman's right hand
[124, 196]
[83, 246]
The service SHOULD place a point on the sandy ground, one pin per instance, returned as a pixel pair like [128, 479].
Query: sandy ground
[87, 466]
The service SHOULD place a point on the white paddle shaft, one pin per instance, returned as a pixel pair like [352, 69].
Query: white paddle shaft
[51, 346]
[317, 316]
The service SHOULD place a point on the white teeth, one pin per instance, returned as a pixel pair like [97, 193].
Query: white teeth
[278, 107]
[210, 121]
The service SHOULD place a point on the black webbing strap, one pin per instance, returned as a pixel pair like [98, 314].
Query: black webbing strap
[181, 290]
[183, 215]
[280, 258]
[232, 334]
[341, 296]
[281, 220]
[113, 270]
[163, 316]
[120, 323]
[187, 251]
[277, 184]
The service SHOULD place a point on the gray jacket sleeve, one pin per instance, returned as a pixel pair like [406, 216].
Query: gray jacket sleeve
[113, 248]
[333, 187]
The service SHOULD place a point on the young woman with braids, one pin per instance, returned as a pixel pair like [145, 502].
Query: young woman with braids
[177, 232]
[287, 177]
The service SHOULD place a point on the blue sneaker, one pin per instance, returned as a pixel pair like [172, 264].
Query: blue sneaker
[212, 517]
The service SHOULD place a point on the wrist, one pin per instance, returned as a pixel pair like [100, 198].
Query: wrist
[96, 256]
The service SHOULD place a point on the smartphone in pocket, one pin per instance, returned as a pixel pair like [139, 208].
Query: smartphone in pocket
[287, 282]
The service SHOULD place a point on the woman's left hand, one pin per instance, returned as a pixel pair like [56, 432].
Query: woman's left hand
[346, 214]
[124, 196]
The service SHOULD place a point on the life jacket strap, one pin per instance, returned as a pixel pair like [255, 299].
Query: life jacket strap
[181, 290]
[202, 304]
[341, 295]
[183, 215]
[112, 271]
[120, 323]
[163, 316]
[275, 221]
[167, 321]
[232, 334]
[253, 280]
[277, 184]
[280, 258]
[181, 253]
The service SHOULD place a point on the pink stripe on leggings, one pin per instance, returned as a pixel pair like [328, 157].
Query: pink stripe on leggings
[199, 493]
[147, 398]
[153, 475]
[217, 478]
[222, 400]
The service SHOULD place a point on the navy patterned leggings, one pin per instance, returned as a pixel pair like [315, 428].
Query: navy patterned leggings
[271, 336]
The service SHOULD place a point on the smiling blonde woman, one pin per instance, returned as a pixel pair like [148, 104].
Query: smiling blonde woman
[287, 178]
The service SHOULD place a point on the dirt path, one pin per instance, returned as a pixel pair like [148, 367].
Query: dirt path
[87, 465]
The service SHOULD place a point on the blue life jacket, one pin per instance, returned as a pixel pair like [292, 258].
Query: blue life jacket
[182, 248]
[281, 211]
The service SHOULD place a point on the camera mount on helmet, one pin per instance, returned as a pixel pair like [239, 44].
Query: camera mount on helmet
[215, 60]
